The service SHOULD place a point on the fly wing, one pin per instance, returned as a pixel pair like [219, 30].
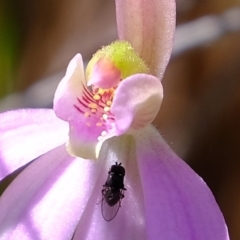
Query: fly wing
[109, 212]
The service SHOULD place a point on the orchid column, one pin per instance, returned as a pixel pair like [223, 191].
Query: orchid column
[107, 112]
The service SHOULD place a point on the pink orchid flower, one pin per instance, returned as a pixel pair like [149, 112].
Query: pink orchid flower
[107, 115]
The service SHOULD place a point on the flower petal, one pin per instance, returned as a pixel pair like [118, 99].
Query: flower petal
[178, 204]
[48, 198]
[137, 102]
[129, 222]
[69, 89]
[104, 74]
[149, 26]
[70, 96]
[27, 134]
[83, 139]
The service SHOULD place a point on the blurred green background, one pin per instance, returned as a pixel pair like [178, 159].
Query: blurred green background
[10, 35]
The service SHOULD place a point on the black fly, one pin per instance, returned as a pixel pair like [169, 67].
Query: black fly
[113, 192]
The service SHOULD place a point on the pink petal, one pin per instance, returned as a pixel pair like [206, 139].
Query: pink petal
[84, 130]
[129, 222]
[27, 134]
[104, 74]
[178, 203]
[149, 26]
[69, 89]
[48, 198]
[83, 139]
[137, 102]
